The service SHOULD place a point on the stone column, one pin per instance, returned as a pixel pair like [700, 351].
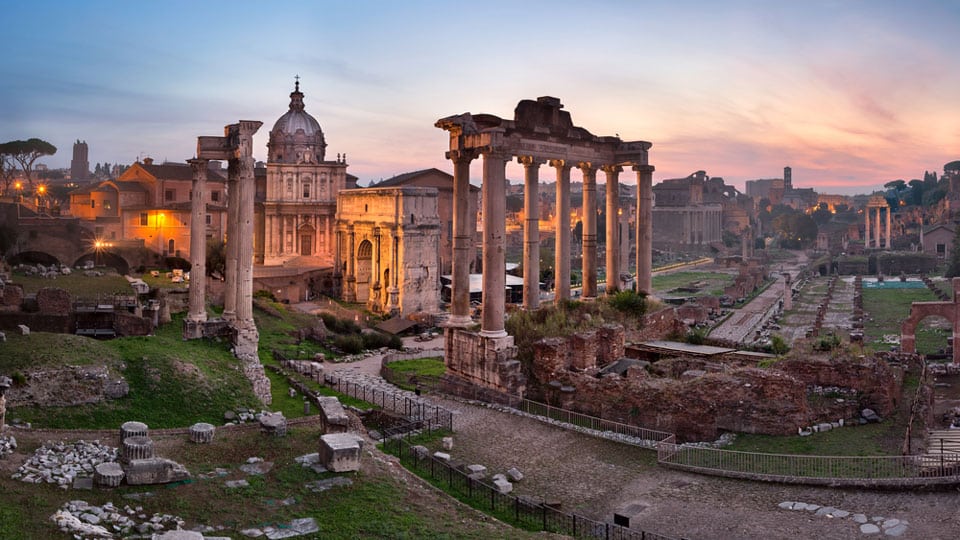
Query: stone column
[337, 255]
[644, 227]
[494, 233]
[248, 337]
[589, 255]
[464, 226]
[350, 282]
[877, 229]
[888, 228]
[394, 289]
[198, 247]
[561, 266]
[233, 241]
[613, 227]
[531, 231]
[866, 228]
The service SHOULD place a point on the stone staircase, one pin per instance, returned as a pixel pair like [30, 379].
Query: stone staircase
[943, 449]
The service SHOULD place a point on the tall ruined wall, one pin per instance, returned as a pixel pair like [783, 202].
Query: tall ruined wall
[878, 384]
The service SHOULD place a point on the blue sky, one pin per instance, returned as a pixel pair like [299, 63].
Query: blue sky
[851, 94]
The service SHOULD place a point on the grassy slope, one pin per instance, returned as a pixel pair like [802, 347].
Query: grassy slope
[887, 308]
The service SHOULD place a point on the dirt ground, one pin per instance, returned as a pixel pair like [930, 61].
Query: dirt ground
[597, 478]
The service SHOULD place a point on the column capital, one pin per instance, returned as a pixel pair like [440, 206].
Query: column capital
[644, 168]
[561, 164]
[586, 167]
[611, 169]
[199, 167]
[530, 161]
[467, 155]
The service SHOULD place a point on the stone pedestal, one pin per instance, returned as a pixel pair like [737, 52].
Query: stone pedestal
[274, 424]
[136, 447]
[201, 433]
[486, 361]
[108, 475]
[333, 417]
[340, 452]
[132, 429]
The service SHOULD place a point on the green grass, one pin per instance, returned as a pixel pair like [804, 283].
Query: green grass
[431, 367]
[866, 440]
[886, 309]
[712, 281]
[77, 283]
[40, 349]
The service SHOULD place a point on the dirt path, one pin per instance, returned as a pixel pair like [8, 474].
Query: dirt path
[597, 478]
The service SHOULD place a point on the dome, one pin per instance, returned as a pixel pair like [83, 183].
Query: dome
[296, 136]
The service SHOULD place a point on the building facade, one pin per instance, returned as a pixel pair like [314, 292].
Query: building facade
[297, 207]
[389, 248]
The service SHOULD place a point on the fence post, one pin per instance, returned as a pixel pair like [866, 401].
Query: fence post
[544, 506]
[516, 509]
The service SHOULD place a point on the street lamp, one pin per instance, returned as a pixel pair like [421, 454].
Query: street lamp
[19, 186]
[41, 191]
[160, 233]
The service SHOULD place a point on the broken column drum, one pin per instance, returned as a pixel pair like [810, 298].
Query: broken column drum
[132, 429]
[201, 433]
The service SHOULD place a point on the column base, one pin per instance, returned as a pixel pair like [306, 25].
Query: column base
[193, 329]
[458, 321]
[493, 334]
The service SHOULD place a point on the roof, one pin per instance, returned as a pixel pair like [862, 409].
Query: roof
[396, 325]
[175, 171]
[676, 347]
[476, 281]
[406, 178]
[948, 226]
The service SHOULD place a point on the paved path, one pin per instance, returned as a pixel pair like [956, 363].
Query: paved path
[741, 325]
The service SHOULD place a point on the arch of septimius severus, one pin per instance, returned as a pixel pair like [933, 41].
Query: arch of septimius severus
[540, 133]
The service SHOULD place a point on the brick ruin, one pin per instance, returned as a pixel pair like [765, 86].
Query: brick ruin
[698, 399]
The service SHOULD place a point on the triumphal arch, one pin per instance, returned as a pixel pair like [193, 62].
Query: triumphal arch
[540, 133]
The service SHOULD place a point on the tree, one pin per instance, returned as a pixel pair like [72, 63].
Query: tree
[26, 153]
[216, 257]
[916, 192]
[8, 171]
[954, 269]
[896, 185]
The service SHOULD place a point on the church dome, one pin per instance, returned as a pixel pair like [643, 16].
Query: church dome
[296, 137]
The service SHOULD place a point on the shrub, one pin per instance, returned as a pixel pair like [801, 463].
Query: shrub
[629, 302]
[338, 325]
[778, 345]
[375, 340]
[349, 343]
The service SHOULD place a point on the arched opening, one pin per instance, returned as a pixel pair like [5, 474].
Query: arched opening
[33, 257]
[386, 287]
[104, 259]
[364, 270]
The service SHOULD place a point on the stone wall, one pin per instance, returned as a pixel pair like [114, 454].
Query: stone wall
[485, 361]
[51, 300]
[877, 384]
[11, 296]
[657, 325]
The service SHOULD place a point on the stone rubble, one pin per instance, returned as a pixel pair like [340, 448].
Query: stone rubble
[85, 521]
[296, 527]
[8, 443]
[60, 463]
[889, 526]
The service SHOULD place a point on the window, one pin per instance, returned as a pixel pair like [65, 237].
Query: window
[106, 205]
[306, 191]
[144, 219]
[209, 219]
[93, 203]
[941, 250]
[170, 195]
[215, 196]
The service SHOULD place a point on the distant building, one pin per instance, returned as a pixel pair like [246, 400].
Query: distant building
[938, 240]
[80, 164]
[150, 204]
[389, 248]
[296, 205]
[443, 183]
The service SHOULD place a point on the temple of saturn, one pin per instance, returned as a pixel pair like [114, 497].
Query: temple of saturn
[540, 133]
[236, 148]
[876, 204]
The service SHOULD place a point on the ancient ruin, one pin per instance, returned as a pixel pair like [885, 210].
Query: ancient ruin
[235, 147]
[540, 132]
[948, 309]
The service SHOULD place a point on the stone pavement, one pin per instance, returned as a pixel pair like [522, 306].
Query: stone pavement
[867, 526]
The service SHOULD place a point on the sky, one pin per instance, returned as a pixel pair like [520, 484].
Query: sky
[849, 93]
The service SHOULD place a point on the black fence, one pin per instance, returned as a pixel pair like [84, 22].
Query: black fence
[413, 410]
[519, 511]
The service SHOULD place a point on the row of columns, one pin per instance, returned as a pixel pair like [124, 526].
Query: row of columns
[866, 229]
[494, 232]
[275, 231]
[701, 226]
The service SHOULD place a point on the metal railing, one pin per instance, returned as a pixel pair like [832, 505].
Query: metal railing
[520, 511]
[412, 409]
[593, 423]
[824, 470]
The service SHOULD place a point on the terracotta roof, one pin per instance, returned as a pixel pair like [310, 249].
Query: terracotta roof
[178, 171]
[405, 178]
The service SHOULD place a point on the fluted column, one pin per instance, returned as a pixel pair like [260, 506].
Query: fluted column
[350, 280]
[248, 190]
[877, 229]
[531, 231]
[463, 227]
[494, 232]
[866, 228]
[888, 228]
[589, 256]
[198, 251]
[644, 227]
[233, 241]
[613, 227]
[561, 266]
